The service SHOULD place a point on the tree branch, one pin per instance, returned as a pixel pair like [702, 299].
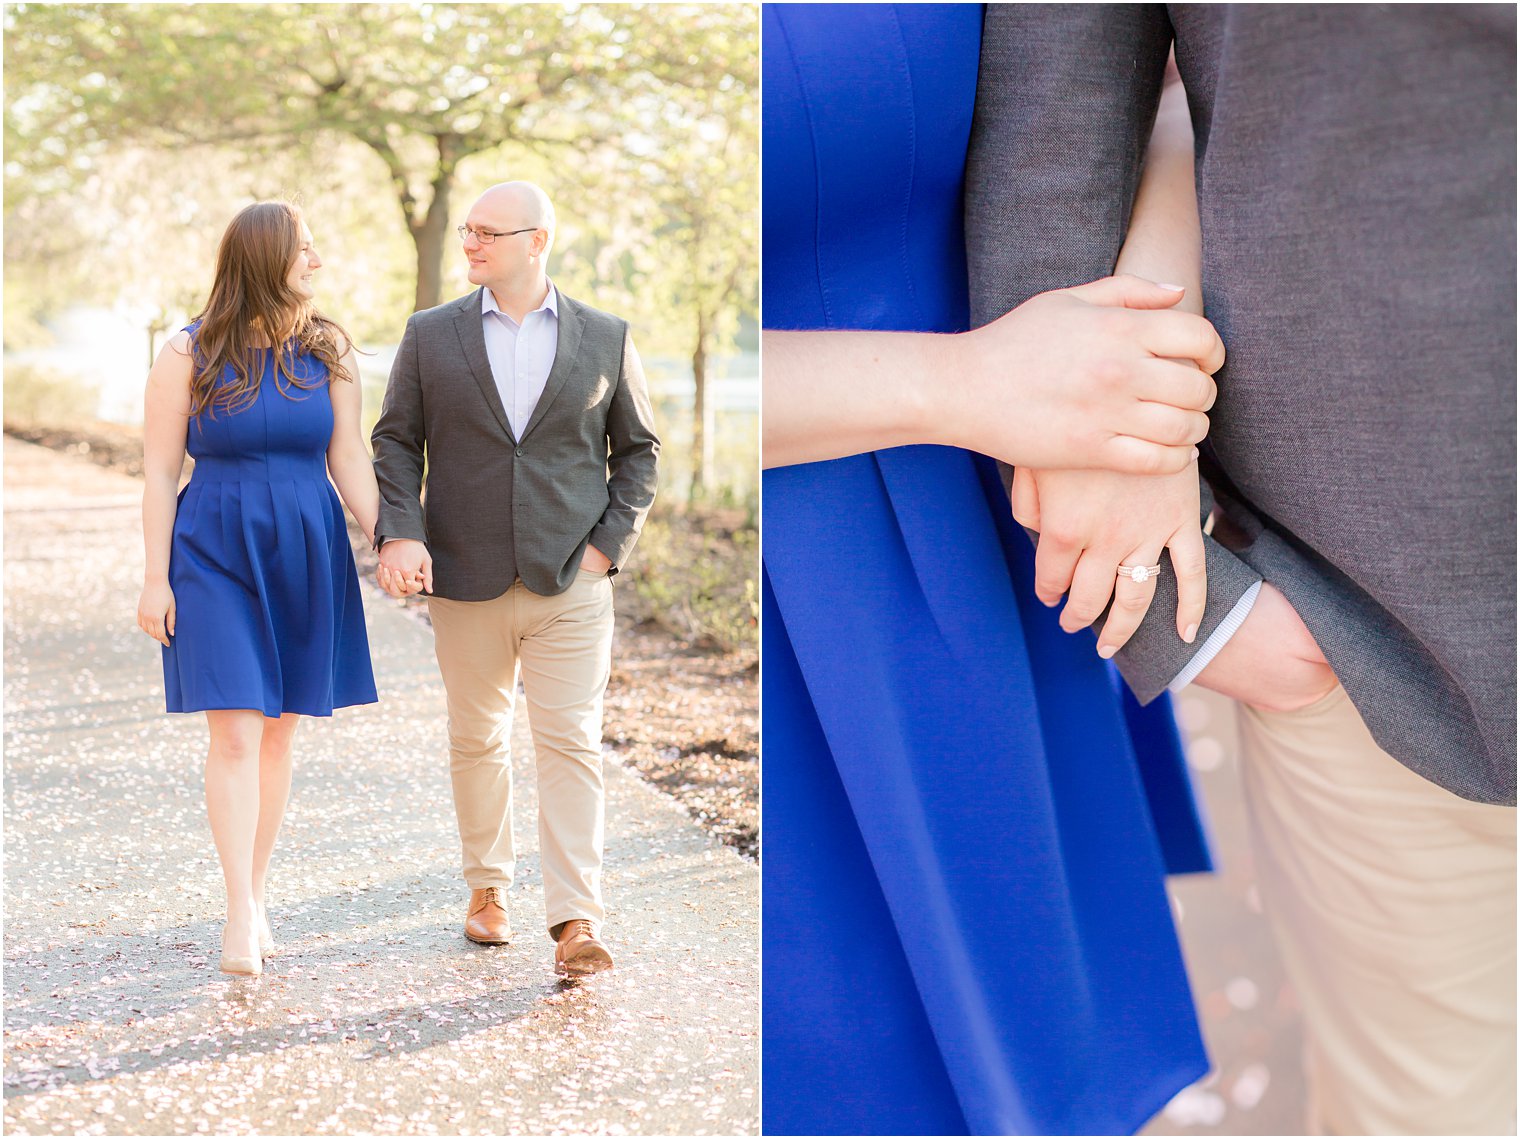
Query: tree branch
[398, 173]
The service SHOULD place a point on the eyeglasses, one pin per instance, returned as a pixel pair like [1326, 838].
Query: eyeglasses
[486, 236]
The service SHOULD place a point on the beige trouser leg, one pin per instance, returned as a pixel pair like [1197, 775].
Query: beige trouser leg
[477, 655]
[563, 645]
[566, 652]
[1393, 902]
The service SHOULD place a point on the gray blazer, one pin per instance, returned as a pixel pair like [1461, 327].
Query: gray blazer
[1356, 183]
[499, 508]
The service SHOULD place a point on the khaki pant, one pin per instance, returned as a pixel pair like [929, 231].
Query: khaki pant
[1393, 902]
[564, 647]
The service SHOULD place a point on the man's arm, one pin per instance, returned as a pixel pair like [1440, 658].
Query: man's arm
[399, 442]
[1065, 99]
[633, 451]
[1065, 103]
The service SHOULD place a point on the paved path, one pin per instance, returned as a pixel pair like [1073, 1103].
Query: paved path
[1248, 1008]
[378, 1016]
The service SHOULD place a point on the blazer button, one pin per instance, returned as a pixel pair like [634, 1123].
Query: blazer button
[519, 451]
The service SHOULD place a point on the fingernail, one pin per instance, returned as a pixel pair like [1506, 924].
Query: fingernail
[1195, 452]
[1174, 288]
[1106, 651]
[1192, 631]
[1050, 604]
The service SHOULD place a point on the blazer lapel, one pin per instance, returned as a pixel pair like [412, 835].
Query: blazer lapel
[568, 344]
[473, 340]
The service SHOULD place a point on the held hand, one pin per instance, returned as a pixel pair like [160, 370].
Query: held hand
[595, 561]
[393, 583]
[155, 611]
[1092, 522]
[1272, 662]
[1082, 378]
[406, 567]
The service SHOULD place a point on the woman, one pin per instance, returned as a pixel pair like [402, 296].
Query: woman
[263, 391]
[966, 827]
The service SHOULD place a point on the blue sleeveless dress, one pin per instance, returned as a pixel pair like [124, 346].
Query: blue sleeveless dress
[269, 611]
[967, 819]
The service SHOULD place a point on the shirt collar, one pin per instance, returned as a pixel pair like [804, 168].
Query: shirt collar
[550, 304]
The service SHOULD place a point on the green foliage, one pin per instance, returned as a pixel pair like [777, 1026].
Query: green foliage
[421, 87]
[134, 131]
[695, 574]
[38, 395]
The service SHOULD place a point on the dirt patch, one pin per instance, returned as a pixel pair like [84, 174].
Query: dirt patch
[115, 447]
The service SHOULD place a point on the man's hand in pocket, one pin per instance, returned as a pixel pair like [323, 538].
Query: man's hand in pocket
[595, 561]
[1272, 662]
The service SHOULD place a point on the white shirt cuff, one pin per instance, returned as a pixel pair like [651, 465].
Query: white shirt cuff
[1217, 640]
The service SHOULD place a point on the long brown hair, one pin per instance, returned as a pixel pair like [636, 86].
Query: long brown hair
[252, 301]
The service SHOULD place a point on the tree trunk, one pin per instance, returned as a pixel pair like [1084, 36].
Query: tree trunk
[701, 425]
[430, 233]
[157, 326]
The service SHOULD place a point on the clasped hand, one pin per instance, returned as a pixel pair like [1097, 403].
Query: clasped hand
[1119, 385]
[1141, 500]
[1090, 522]
[1104, 376]
[406, 567]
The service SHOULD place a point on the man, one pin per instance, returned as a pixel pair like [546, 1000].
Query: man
[1356, 189]
[530, 413]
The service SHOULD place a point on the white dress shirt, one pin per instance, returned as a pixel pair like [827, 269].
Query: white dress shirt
[1217, 639]
[520, 354]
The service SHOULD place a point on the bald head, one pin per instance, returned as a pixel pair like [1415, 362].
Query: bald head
[514, 263]
[522, 204]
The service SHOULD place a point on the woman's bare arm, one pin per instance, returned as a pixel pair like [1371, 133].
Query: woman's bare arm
[348, 459]
[1071, 378]
[1164, 235]
[166, 422]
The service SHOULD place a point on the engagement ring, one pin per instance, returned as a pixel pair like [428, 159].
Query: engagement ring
[1140, 573]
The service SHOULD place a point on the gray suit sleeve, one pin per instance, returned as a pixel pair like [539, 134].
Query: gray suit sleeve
[1066, 98]
[633, 451]
[399, 441]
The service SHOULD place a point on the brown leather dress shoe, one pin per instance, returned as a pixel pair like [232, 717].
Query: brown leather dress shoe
[578, 952]
[487, 922]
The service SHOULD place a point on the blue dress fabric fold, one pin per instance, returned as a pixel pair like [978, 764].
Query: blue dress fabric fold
[269, 614]
[967, 822]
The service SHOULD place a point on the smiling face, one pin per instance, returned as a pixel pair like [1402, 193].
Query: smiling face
[305, 264]
[513, 260]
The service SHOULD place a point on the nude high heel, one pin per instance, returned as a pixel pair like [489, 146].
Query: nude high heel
[267, 944]
[243, 966]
